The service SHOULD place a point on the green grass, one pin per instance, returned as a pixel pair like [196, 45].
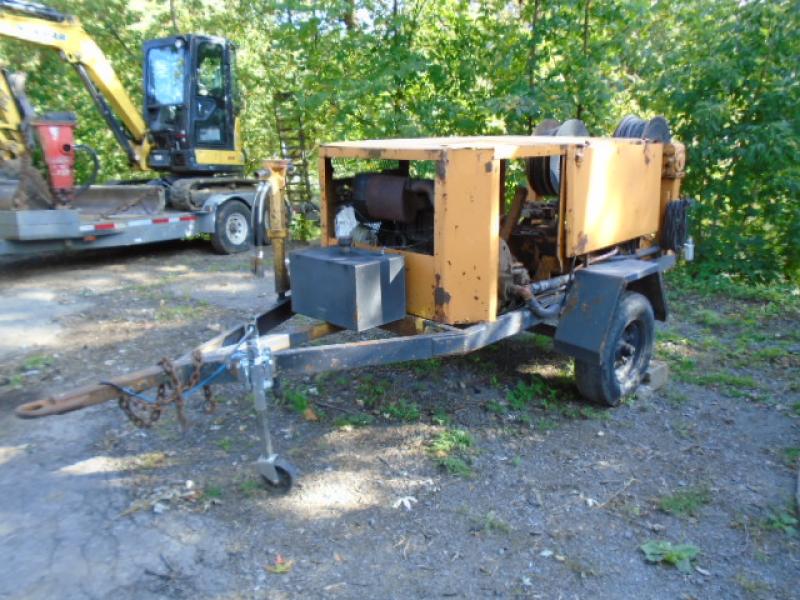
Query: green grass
[440, 417]
[685, 503]
[179, 312]
[225, 444]
[250, 487]
[710, 318]
[402, 411]
[492, 523]
[297, 399]
[37, 362]
[457, 466]
[426, 367]
[213, 491]
[351, 421]
[782, 520]
[371, 391]
[791, 455]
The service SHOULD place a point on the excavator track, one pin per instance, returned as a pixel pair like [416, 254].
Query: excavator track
[190, 193]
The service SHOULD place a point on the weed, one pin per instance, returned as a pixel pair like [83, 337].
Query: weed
[351, 421]
[250, 487]
[782, 520]
[675, 397]
[516, 461]
[371, 392]
[677, 555]
[178, 312]
[753, 587]
[685, 503]
[796, 408]
[455, 465]
[440, 417]
[493, 406]
[494, 524]
[225, 444]
[426, 367]
[297, 399]
[449, 448]
[213, 491]
[709, 318]
[16, 381]
[545, 424]
[37, 361]
[594, 414]
[541, 342]
[790, 456]
[524, 393]
[450, 440]
[403, 411]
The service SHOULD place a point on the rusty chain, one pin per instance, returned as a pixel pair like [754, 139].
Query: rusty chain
[144, 413]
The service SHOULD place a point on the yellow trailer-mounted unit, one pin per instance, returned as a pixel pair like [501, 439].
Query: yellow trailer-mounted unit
[435, 241]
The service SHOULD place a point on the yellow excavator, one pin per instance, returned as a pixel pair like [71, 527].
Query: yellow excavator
[188, 129]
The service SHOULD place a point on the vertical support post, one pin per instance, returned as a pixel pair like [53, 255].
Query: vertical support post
[278, 226]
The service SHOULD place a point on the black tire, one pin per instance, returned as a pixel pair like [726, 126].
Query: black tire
[626, 355]
[285, 481]
[232, 230]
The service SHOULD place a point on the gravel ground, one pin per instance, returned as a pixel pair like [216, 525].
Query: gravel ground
[472, 477]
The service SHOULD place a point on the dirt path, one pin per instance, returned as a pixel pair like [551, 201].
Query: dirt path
[480, 476]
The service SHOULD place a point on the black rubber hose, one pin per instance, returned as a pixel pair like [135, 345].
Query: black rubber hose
[545, 312]
[95, 167]
[257, 214]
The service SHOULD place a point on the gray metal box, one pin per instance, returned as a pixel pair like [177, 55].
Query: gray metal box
[352, 288]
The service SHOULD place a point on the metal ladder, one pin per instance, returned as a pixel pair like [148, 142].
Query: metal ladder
[291, 130]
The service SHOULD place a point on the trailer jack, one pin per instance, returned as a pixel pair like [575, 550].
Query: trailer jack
[257, 366]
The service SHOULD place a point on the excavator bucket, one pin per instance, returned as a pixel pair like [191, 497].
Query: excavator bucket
[22, 187]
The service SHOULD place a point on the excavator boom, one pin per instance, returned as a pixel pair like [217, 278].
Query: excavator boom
[43, 26]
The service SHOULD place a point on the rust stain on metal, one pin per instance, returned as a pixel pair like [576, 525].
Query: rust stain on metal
[441, 169]
[441, 298]
[583, 241]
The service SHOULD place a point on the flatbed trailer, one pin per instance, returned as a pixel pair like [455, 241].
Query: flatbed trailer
[107, 220]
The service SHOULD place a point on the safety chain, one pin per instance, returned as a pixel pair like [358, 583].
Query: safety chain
[144, 414]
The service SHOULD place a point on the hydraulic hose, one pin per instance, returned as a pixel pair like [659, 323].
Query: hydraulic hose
[95, 167]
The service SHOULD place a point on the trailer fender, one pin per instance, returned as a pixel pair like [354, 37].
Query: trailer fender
[214, 201]
[593, 298]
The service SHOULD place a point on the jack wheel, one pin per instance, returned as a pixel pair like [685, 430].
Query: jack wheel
[286, 477]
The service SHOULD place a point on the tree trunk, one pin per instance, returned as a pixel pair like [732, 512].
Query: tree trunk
[585, 52]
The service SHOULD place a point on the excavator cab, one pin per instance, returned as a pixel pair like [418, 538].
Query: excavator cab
[191, 105]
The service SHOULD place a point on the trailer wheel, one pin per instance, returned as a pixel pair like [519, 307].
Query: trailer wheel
[626, 356]
[232, 230]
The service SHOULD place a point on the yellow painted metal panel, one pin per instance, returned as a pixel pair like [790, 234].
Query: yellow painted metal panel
[12, 145]
[466, 242]
[612, 193]
[420, 286]
[218, 157]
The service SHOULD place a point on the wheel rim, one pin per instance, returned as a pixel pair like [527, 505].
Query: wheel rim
[236, 229]
[628, 350]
